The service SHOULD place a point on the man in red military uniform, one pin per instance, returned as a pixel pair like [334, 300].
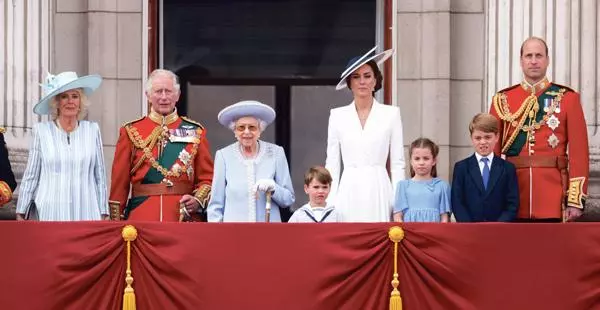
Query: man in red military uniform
[164, 158]
[540, 122]
[7, 178]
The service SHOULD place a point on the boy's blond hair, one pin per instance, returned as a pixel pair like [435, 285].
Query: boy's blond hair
[318, 173]
[484, 122]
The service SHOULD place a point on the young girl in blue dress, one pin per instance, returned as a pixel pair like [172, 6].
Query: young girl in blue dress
[424, 197]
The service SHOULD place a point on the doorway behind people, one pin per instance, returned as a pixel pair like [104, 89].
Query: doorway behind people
[285, 53]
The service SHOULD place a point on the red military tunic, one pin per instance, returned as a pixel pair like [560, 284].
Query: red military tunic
[538, 125]
[158, 181]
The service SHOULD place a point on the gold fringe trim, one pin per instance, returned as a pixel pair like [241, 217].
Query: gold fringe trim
[129, 234]
[396, 235]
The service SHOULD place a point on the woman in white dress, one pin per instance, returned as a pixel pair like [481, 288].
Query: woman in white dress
[65, 178]
[361, 135]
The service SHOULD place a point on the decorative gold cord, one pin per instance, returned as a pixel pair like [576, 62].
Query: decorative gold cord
[528, 109]
[529, 103]
[396, 234]
[147, 145]
[129, 234]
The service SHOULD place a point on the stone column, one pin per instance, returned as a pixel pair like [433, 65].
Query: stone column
[467, 37]
[423, 58]
[571, 30]
[114, 50]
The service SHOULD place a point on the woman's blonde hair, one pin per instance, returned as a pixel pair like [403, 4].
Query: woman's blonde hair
[83, 105]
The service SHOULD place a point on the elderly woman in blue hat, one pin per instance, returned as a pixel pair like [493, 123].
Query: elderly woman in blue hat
[248, 169]
[362, 135]
[65, 178]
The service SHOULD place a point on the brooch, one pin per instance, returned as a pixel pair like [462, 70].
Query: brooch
[553, 141]
[185, 157]
[553, 122]
[176, 168]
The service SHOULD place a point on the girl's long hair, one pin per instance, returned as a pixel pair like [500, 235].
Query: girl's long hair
[423, 143]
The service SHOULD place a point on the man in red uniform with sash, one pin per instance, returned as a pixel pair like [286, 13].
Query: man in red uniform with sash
[164, 159]
[540, 122]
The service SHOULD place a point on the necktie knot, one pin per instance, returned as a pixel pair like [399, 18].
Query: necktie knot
[485, 160]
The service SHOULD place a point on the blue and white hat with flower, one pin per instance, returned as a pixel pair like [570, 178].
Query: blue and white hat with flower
[60, 83]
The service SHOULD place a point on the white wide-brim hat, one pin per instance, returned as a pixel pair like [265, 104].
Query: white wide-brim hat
[244, 108]
[357, 62]
[56, 84]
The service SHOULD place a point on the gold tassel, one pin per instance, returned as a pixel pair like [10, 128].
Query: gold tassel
[396, 235]
[129, 234]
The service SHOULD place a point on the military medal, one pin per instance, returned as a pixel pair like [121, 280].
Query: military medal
[553, 122]
[547, 104]
[553, 140]
[183, 135]
[557, 109]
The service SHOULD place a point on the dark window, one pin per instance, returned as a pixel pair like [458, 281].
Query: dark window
[291, 39]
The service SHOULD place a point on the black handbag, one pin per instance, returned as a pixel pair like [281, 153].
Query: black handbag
[31, 214]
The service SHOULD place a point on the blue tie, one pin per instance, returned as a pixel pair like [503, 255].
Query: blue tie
[486, 172]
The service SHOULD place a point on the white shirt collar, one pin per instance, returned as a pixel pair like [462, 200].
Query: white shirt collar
[490, 157]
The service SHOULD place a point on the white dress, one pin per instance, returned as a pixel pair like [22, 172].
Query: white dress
[364, 193]
[65, 177]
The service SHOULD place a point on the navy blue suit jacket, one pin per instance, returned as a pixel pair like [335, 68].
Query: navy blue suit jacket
[472, 203]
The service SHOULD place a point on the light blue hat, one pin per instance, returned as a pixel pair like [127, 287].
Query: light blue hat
[357, 62]
[244, 108]
[56, 84]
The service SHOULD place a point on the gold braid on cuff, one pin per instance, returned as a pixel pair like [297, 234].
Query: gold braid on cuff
[114, 210]
[202, 194]
[575, 194]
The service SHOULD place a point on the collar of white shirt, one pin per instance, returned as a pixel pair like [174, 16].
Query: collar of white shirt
[490, 157]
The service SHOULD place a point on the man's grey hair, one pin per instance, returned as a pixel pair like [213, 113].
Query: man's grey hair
[158, 72]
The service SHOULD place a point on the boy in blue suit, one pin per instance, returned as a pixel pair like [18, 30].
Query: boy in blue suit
[484, 186]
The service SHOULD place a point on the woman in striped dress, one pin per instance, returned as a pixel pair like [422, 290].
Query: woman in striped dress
[65, 178]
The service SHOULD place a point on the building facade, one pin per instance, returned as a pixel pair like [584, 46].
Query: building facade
[451, 56]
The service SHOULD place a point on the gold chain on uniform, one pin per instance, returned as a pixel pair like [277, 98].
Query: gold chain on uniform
[142, 144]
[528, 109]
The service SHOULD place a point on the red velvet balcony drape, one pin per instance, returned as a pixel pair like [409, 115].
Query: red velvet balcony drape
[300, 266]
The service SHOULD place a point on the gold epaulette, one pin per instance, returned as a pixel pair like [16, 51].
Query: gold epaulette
[2, 130]
[192, 121]
[133, 121]
[565, 87]
[509, 88]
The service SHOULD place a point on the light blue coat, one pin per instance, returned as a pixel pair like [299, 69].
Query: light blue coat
[233, 197]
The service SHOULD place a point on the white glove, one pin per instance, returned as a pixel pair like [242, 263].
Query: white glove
[265, 185]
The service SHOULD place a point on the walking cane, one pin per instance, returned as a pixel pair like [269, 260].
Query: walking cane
[268, 207]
